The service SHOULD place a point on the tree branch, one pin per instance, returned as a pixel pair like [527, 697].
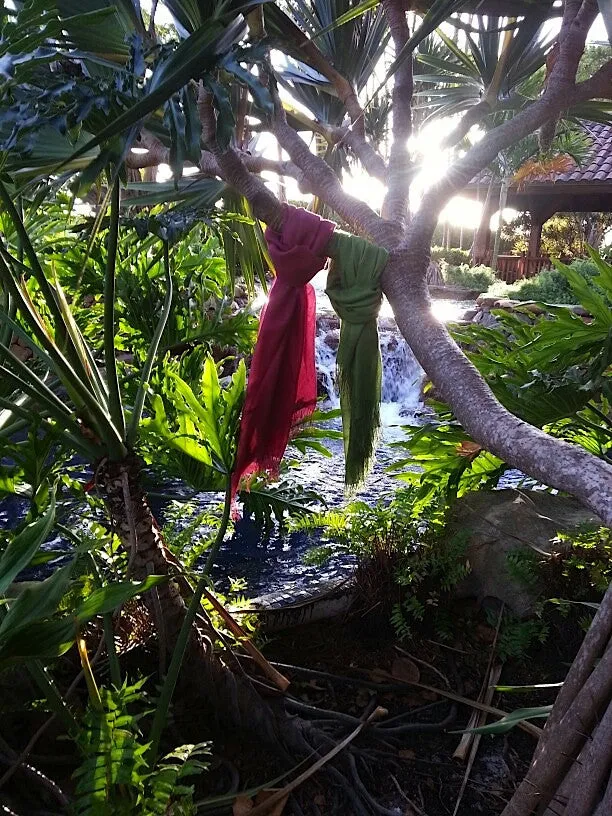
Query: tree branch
[322, 180]
[585, 691]
[395, 206]
[345, 91]
[470, 118]
[159, 154]
[561, 92]
[556, 463]
[372, 162]
[265, 204]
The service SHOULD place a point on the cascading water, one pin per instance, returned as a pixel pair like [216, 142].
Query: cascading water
[276, 564]
[402, 375]
[401, 400]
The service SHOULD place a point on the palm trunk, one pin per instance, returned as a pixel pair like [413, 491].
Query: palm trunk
[230, 698]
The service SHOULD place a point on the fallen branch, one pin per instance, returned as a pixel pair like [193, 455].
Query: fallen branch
[279, 680]
[450, 695]
[472, 742]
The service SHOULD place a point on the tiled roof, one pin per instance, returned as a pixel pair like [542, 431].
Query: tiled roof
[596, 169]
[598, 166]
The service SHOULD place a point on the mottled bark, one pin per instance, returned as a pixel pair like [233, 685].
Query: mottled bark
[584, 698]
[231, 701]
[396, 203]
[557, 463]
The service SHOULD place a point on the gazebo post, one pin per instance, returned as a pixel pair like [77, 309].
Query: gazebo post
[539, 216]
[482, 235]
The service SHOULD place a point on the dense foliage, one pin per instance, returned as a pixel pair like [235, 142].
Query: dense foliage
[550, 285]
[127, 321]
[474, 277]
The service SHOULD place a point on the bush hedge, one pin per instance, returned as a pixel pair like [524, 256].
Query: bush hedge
[476, 277]
[453, 257]
[549, 286]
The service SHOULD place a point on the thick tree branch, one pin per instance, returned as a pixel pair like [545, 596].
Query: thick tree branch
[322, 180]
[345, 91]
[372, 162]
[157, 154]
[561, 92]
[556, 463]
[395, 206]
[585, 692]
[471, 117]
[265, 204]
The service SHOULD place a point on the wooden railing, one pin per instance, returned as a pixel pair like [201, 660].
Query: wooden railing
[511, 268]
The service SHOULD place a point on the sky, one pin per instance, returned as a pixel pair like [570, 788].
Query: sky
[434, 161]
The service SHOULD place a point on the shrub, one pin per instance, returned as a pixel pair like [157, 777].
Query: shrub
[549, 286]
[476, 277]
[453, 257]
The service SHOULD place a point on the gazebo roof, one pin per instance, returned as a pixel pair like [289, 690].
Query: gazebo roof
[598, 166]
[583, 189]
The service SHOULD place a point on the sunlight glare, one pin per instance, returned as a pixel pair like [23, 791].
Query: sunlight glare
[446, 311]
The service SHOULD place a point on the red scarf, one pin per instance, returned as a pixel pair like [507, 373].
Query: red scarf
[282, 386]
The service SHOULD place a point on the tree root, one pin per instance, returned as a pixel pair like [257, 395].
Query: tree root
[583, 699]
[230, 700]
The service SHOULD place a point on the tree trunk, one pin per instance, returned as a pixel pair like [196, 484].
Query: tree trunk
[579, 727]
[503, 198]
[559, 464]
[482, 235]
[231, 700]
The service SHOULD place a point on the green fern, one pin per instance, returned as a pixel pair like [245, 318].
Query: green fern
[399, 622]
[165, 786]
[112, 774]
[516, 636]
[114, 779]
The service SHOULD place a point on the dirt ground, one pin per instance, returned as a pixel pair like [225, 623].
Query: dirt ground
[412, 770]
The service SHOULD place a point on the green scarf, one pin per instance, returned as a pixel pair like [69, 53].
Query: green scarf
[353, 287]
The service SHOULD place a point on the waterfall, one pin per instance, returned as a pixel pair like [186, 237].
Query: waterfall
[402, 375]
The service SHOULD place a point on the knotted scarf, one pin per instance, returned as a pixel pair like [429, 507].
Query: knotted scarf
[353, 287]
[282, 387]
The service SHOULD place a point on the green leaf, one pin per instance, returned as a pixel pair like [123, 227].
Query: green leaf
[535, 687]
[108, 598]
[24, 545]
[193, 57]
[439, 11]
[588, 296]
[38, 640]
[349, 15]
[36, 601]
[508, 722]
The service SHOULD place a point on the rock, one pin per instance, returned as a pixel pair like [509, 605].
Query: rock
[21, 351]
[486, 301]
[332, 339]
[533, 307]
[506, 303]
[505, 521]
[486, 319]
[580, 311]
[288, 608]
[469, 315]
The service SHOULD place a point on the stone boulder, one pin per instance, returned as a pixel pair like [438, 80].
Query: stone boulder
[501, 522]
